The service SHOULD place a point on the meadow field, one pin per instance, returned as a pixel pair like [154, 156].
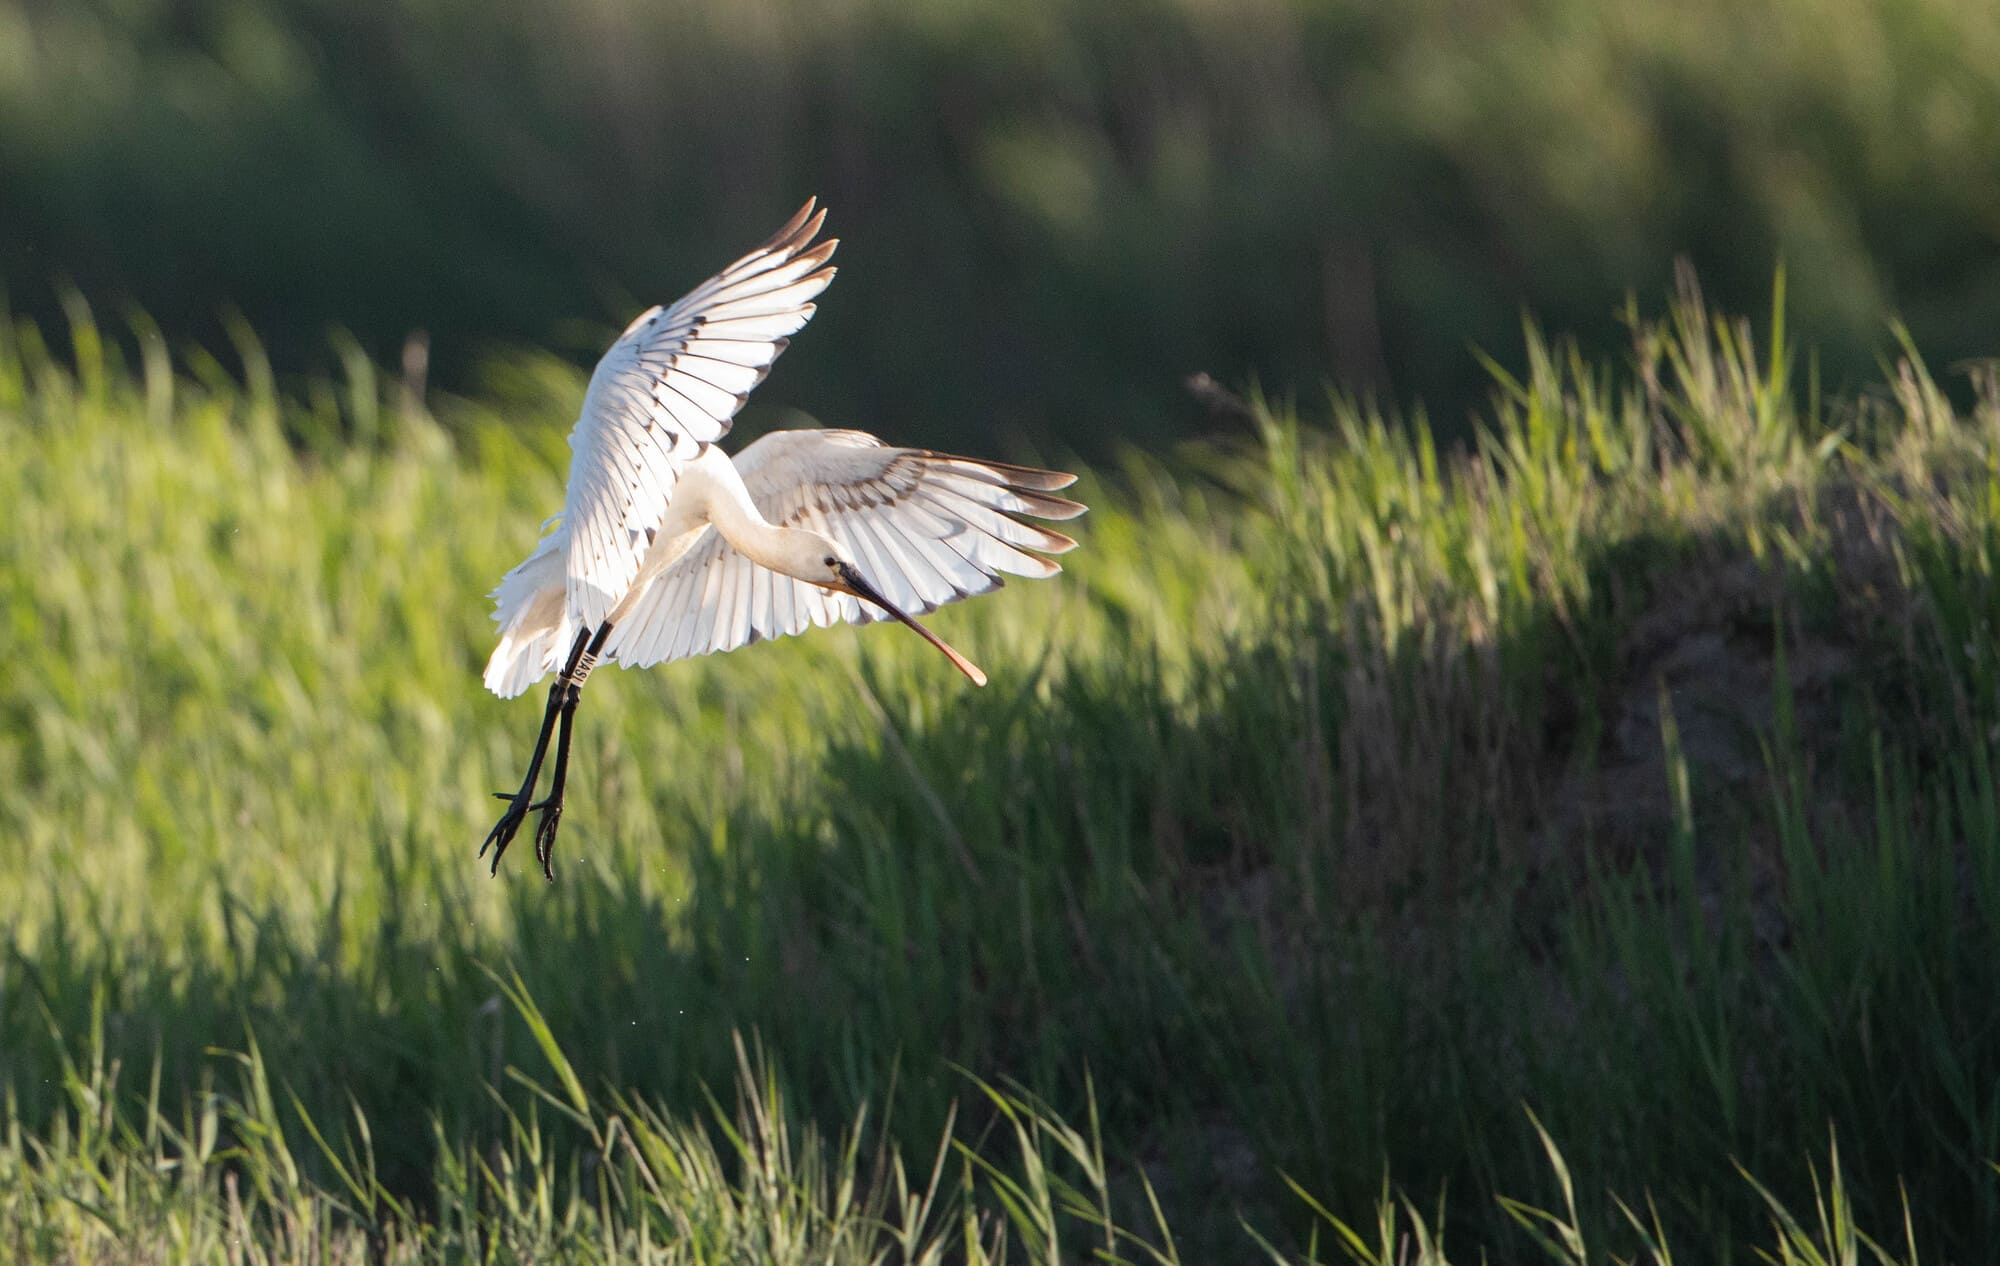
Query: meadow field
[1599, 819]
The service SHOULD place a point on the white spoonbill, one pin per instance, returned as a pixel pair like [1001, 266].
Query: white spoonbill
[669, 548]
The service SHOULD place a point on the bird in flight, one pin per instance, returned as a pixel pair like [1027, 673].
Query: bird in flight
[668, 547]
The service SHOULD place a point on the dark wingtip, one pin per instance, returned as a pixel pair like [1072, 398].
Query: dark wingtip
[791, 226]
[797, 231]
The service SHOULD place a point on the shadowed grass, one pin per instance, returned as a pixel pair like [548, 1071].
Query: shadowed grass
[113, 1177]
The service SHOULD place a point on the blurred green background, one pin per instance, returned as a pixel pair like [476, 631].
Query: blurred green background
[1054, 210]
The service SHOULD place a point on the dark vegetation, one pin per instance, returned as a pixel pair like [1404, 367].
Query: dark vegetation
[1054, 210]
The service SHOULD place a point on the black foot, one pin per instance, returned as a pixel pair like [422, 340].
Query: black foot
[503, 831]
[545, 835]
[563, 698]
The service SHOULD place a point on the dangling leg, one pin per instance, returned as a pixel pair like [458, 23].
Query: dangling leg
[552, 807]
[502, 833]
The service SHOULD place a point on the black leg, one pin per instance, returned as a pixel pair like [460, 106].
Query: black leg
[503, 831]
[552, 807]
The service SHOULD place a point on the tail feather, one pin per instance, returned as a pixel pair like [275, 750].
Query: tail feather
[529, 607]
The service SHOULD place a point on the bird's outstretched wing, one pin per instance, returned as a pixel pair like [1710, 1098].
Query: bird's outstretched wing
[924, 528]
[668, 387]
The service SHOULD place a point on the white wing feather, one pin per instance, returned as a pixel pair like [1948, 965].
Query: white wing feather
[669, 387]
[925, 528]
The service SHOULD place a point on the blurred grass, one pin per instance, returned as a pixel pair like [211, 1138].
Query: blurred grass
[1052, 210]
[1346, 794]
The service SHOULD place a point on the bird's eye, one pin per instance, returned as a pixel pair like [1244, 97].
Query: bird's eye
[831, 561]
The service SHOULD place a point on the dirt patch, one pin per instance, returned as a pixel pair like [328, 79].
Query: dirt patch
[1705, 656]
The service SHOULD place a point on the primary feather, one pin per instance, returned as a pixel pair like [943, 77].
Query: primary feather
[669, 387]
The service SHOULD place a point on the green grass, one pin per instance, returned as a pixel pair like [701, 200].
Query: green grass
[1347, 796]
[118, 1179]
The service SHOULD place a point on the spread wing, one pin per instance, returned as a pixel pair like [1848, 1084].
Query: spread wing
[924, 528]
[668, 387]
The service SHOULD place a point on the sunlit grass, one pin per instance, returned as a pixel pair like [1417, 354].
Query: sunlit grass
[1348, 793]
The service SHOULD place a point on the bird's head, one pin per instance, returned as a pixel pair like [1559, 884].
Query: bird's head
[836, 571]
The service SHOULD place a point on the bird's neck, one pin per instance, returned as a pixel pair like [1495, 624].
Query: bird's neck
[744, 526]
